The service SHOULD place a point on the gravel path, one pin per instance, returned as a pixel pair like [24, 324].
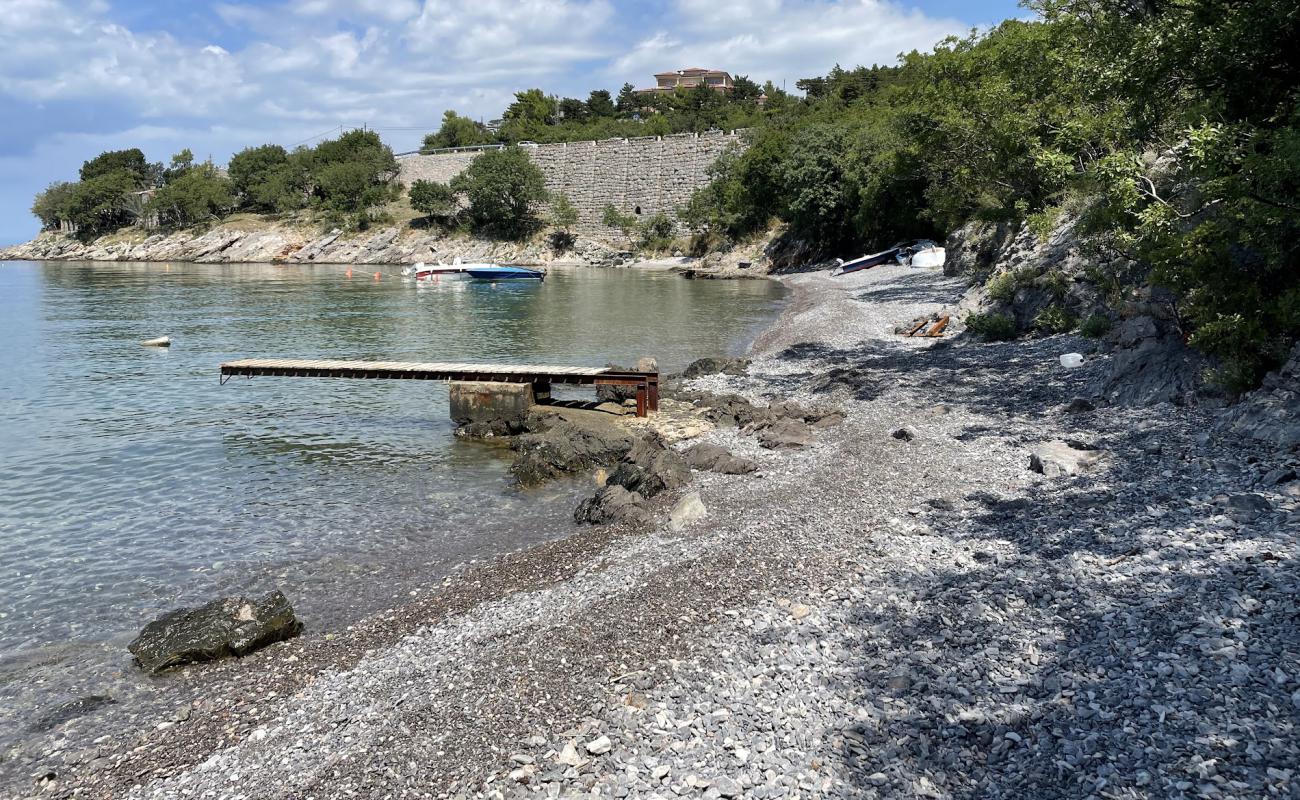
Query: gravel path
[902, 609]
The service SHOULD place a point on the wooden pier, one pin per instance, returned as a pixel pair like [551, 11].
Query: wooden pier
[541, 377]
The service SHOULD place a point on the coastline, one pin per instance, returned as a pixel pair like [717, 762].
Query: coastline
[872, 614]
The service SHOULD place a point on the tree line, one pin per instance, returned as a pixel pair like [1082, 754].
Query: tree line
[342, 176]
[535, 116]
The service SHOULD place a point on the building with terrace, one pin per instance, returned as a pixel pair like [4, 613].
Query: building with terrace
[689, 78]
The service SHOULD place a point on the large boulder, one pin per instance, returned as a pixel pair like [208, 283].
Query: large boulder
[785, 433]
[229, 626]
[1150, 364]
[1058, 459]
[567, 447]
[650, 467]
[613, 504]
[1271, 413]
[715, 458]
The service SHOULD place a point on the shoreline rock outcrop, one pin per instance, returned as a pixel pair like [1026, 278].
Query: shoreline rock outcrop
[237, 243]
[228, 626]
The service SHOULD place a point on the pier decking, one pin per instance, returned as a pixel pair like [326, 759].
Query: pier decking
[542, 377]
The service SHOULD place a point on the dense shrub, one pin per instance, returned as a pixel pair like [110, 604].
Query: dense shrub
[505, 190]
[1096, 326]
[992, 327]
[433, 199]
[197, 194]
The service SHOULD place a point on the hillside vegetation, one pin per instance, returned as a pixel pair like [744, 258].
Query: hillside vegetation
[1170, 126]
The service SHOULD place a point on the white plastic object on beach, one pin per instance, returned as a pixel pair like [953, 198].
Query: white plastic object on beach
[1071, 360]
[930, 257]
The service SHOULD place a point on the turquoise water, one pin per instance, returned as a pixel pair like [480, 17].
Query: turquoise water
[132, 482]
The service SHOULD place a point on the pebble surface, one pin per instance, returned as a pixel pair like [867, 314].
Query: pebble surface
[869, 615]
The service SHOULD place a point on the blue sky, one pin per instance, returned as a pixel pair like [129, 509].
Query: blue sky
[81, 76]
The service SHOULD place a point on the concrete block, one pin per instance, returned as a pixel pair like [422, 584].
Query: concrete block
[499, 406]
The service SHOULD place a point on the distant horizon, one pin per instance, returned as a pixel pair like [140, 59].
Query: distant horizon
[78, 77]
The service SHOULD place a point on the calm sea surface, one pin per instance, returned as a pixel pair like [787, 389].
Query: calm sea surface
[131, 482]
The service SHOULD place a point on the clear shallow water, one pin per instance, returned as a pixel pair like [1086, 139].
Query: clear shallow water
[131, 482]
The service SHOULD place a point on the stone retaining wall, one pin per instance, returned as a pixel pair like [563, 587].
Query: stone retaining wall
[638, 176]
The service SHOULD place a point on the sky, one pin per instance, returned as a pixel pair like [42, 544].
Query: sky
[78, 77]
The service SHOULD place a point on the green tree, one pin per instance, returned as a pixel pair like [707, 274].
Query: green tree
[102, 203]
[572, 110]
[182, 163]
[130, 162]
[600, 105]
[504, 189]
[744, 91]
[53, 205]
[352, 173]
[532, 106]
[433, 199]
[629, 102]
[260, 178]
[200, 194]
[457, 131]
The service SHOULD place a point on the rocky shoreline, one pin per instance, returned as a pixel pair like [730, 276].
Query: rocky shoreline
[242, 242]
[895, 605]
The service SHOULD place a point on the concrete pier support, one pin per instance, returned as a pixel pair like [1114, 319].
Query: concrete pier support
[489, 408]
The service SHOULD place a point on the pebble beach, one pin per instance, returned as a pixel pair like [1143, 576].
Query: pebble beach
[902, 608]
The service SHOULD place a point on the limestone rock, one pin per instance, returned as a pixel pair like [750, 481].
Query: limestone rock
[229, 626]
[688, 510]
[714, 458]
[785, 433]
[1058, 458]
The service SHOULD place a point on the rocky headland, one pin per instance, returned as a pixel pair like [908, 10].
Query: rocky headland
[260, 241]
[860, 565]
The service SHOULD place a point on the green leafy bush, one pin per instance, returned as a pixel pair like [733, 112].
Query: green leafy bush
[505, 190]
[199, 194]
[433, 199]
[1055, 319]
[1002, 287]
[992, 327]
[1096, 326]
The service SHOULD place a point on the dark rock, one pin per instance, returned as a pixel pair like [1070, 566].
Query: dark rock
[613, 504]
[229, 626]
[728, 410]
[71, 710]
[1150, 365]
[904, 434]
[714, 458]
[785, 433]
[1276, 477]
[714, 366]
[1080, 405]
[566, 447]
[864, 384]
[1247, 507]
[650, 467]
[1271, 413]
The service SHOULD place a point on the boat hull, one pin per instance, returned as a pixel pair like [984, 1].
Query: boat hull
[505, 274]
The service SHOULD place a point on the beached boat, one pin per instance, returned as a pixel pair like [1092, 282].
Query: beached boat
[865, 262]
[495, 272]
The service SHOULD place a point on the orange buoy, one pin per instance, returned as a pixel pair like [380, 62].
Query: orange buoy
[376, 276]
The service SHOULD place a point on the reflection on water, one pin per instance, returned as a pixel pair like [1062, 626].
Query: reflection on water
[133, 482]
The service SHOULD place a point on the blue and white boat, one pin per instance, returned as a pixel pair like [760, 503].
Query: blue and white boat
[495, 272]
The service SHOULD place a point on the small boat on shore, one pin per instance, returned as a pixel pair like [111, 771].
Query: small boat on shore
[495, 272]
